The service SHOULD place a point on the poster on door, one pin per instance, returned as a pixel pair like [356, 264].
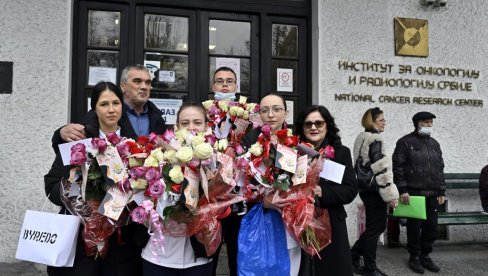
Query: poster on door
[284, 80]
[232, 63]
[169, 108]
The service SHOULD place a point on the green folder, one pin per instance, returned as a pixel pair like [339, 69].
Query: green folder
[416, 208]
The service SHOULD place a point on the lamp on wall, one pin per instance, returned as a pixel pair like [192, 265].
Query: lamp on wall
[434, 3]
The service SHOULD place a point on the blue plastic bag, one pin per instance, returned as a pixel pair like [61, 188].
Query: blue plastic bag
[262, 247]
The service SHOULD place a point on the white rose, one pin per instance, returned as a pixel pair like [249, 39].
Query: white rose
[203, 151]
[176, 174]
[233, 110]
[184, 154]
[208, 104]
[240, 111]
[256, 149]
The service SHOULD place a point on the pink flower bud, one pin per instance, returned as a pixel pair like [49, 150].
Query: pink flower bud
[78, 158]
[113, 138]
[155, 189]
[266, 130]
[99, 144]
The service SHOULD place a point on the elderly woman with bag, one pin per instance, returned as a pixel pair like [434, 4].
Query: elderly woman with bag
[376, 189]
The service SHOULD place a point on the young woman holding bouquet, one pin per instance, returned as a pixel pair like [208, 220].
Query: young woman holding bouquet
[273, 112]
[382, 192]
[123, 256]
[181, 256]
[315, 125]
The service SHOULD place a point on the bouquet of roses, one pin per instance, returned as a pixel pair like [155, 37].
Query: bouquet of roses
[308, 225]
[87, 193]
[230, 121]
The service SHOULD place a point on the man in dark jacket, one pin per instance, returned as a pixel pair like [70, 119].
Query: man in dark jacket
[418, 169]
[140, 116]
[483, 190]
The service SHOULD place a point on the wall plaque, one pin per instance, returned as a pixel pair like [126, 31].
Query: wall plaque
[6, 75]
[411, 37]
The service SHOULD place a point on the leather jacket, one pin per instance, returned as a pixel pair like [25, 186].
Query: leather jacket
[418, 167]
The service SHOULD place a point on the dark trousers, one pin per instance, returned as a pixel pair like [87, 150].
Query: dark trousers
[151, 269]
[421, 234]
[375, 225]
[230, 229]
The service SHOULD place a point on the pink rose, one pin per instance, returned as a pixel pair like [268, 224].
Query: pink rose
[155, 189]
[152, 175]
[138, 215]
[113, 138]
[99, 144]
[123, 149]
[137, 172]
[168, 135]
[78, 147]
[266, 130]
[256, 108]
[78, 158]
[329, 152]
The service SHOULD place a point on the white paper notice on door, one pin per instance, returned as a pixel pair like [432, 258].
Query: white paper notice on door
[284, 80]
[98, 74]
[232, 63]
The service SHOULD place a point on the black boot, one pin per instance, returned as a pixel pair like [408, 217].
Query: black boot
[429, 264]
[415, 264]
[356, 263]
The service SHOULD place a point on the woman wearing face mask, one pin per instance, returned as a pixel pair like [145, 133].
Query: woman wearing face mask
[273, 111]
[181, 256]
[370, 146]
[123, 257]
[315, 125]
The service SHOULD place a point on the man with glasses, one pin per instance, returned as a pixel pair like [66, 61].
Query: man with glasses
[224, 84]
[140, 116]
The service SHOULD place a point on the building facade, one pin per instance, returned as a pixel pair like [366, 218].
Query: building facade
[347, 55]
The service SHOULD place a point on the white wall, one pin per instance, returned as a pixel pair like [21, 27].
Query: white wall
[35, 36]
[363, 31]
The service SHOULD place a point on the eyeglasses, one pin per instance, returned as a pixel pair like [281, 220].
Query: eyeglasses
[275, 109]
[222, 81]
[317, 124]
[138, 81]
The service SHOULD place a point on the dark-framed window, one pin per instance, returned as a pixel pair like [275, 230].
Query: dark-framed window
[187, 39]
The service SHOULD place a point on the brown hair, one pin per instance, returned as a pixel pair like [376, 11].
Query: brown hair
[369, 117]
[196, 105]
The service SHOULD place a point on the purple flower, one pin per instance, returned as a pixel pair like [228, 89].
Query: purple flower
[155, 189]
[168, 135]
[266, 130]
[137, 172]
[99, 144]
[113, 138]
[78, 158]
[123, 149]
[152, 175]
[139, 215]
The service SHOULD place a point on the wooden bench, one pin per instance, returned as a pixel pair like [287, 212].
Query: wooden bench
[462, 181]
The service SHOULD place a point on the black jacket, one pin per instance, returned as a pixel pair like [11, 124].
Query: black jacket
[418, 167]
[337, 255]
[156, 124]
[123, 259]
